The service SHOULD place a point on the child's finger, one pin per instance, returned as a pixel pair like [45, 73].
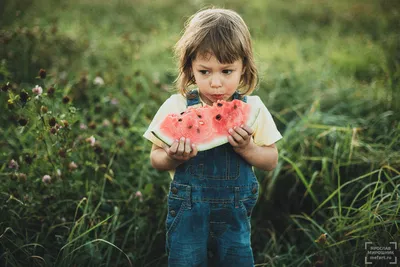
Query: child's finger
[181, 147]
[165, 147]
[247, 129]
[232, 141]
[194, 150]
[173, 147]
[187, 150]
[235, 135]
[244, 134]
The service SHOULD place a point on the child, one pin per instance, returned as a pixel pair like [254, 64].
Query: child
[213, 192]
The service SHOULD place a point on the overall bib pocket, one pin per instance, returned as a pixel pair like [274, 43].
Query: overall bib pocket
[219, 163]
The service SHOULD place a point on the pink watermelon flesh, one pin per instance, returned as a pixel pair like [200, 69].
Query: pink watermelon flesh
[207, 126]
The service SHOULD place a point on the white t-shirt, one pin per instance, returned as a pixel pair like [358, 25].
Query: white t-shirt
[265, 131]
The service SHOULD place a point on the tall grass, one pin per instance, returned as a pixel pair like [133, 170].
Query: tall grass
[329, 74]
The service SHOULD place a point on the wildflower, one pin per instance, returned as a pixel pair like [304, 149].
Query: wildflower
[65, 122]
[53, 130]
[114, 101]
[42, 73]
[37, 90]
[46, 179]
[52, 121]
[23, 121]
[72, 166]
[83, 126]
[66, 99]
[321, 239]
[28, 158]
[50, 91]
[92, 125]
[62, 153]
[106, 123]
[13, 164]
[23, 96]
[44, 109]
[5, 87]
[121, 143]
[139, 195]
[97, 148]
[91, 140]
[98, 81]
[21, 176]
[115, 122]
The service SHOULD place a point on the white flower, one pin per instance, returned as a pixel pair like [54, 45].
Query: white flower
[98, 81]
[46, 179]
[37, 90]
[91, 140]
[13, 164]
[139, 195]
[72, 166]
[106, 123]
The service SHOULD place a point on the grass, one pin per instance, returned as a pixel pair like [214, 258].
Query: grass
[329, 73]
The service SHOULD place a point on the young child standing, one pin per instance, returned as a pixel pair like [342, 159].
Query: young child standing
[213, 192]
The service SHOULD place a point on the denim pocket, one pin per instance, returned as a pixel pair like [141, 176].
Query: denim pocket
[175, 210]
[247, 206]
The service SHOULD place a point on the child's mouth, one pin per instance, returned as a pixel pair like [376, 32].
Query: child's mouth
[218, 96]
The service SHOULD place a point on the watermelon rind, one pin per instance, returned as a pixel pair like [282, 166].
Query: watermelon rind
[217, 141]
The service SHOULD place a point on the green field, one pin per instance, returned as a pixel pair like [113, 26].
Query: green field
[329, 74]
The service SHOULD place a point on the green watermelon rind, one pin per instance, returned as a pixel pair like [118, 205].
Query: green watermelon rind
[214, 143]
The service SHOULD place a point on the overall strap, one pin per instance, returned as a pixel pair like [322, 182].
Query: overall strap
[236, 95]
[194, 99]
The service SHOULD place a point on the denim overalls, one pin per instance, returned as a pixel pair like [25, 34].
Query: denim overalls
[209, 207]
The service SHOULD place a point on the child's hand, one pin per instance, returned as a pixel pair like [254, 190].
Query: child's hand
[240, 137]
[181, 150]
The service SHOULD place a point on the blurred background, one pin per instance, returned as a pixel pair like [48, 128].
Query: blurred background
[81, 81]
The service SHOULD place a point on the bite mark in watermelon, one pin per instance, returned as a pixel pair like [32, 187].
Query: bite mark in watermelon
[207, 126]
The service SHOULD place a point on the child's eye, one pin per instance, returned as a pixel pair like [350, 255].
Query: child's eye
[227, 71]
[204, 72]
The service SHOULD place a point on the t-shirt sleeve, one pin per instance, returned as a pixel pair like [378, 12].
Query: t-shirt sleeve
[174, 104]
[265, 131]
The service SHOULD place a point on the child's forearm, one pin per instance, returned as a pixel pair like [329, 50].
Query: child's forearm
[262, 157]
[162, 162]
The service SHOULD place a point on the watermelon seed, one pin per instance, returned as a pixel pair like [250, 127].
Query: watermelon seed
[182, 112]
[199, 116]
[180, 120]
[234, 106]
[219, 105]
[201, 122]
[190, 126]
[218, 117]
[198, 130]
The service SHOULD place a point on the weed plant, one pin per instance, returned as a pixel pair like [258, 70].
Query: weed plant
[81, 80]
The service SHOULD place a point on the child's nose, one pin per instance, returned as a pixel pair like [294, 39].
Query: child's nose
[216, 81]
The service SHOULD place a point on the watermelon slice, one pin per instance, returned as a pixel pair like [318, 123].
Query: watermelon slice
[207, 126]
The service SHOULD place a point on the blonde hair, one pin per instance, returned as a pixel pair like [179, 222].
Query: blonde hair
[222, 33]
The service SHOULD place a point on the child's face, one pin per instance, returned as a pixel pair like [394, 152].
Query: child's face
[216, 81]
